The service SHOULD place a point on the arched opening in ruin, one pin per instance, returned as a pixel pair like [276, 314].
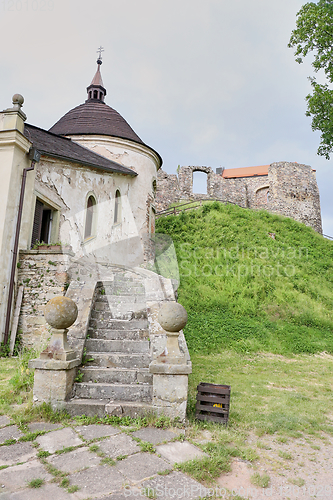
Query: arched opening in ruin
[262, 196]
[200, 181]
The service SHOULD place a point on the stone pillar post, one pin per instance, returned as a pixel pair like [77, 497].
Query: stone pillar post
[55, 369]
[170, 369]
[14, 148]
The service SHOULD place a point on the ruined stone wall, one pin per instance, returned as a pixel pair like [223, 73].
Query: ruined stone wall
[293, 192]
[289, 189]
[167, 190]
[44, 274]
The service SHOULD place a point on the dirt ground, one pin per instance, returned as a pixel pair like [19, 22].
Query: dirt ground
[301, 468]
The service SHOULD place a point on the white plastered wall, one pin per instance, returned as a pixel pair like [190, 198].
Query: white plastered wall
[144, 161]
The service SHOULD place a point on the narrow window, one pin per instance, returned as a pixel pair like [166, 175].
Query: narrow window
[200, 182]
[117, 207]
[95, 94]
[89, 217]
[42, 224]
[90, 94]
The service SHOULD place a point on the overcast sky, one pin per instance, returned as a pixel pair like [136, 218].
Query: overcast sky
[204, 82]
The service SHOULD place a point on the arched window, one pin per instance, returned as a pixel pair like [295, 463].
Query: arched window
[117, 207]
[95, 94]
[154, 188]
[90, 212]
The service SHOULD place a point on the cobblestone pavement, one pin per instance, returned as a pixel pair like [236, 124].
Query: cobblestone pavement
[95, 461]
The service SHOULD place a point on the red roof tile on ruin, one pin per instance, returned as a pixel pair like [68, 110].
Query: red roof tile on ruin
[230, 173]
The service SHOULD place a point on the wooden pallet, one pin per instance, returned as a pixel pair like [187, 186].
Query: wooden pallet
[213, 402]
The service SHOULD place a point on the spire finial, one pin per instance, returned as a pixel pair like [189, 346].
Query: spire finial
[99, 51]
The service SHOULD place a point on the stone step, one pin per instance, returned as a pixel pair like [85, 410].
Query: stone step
[103, 407]
[119, 360]
[123, 289]
[108, 320]
[121, 299]
[116, 375]
[116, 392]
[107, 334]
[87, 407]
[117, 324]
[105, 306]
[125, 346]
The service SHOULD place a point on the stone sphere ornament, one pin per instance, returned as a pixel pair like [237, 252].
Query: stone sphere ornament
[18, 99]
[60, 312]
[172, 317]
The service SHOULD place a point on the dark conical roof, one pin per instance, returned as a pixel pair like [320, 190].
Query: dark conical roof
[94, 118]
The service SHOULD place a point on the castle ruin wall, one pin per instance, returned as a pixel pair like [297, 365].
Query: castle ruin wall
[289, 189]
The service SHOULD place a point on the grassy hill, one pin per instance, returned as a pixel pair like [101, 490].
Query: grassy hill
[252, 281]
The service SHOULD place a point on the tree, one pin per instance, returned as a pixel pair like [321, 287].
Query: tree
[314, 33]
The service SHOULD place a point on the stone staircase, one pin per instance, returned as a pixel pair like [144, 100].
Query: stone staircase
[114, 376]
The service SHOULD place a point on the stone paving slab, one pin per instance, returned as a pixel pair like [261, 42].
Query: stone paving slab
[4, 420]
[18, 452]
[175, 485]
[121, 495]
[154, 436]
[97, 481]
[18, 476]
[46, 492]
[11, 432]
[43, 426]
[57, 440]
[178, 452]
[74, 461]
[141, 466]
[119, 445]
[96, 431]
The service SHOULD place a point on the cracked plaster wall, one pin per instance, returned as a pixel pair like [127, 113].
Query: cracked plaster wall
[69, 185]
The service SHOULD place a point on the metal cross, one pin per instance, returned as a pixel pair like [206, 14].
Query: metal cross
[100, 50]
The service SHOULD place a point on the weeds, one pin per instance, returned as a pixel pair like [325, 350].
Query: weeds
[285, 455]
[31, 436]
[73, 489]
[297, 481]
[36, 483]
[262, 481]
[67, 450]
[43, 454]
[146, 447]
[107, 461]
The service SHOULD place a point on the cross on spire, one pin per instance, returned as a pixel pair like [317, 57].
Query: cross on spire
[99, 51]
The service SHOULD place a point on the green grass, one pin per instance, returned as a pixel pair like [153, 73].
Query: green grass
[146, 447]
[246, 292]
[285, 455]
[270, 393]
[31, 436]
[36, 483]
[73, 489]
[107, 461]
[67, 449]
[262, 481]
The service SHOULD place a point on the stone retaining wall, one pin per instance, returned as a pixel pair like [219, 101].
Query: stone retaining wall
[44, 274]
